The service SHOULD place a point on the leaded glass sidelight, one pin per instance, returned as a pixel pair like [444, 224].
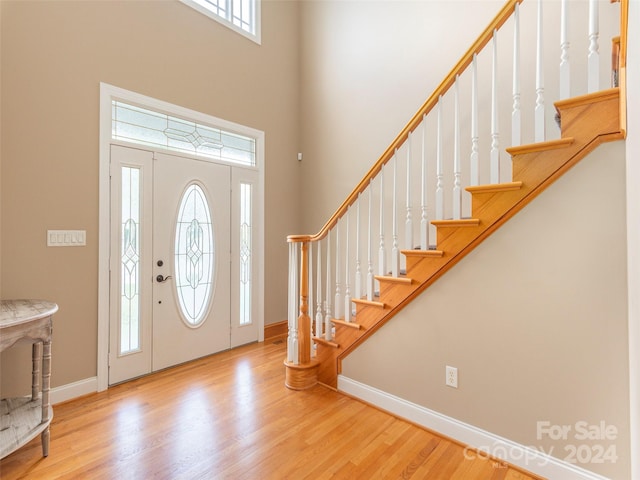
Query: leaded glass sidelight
[194, 255]
[245, 253]
[130, 261]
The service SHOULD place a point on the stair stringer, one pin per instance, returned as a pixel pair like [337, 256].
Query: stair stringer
[587, 122]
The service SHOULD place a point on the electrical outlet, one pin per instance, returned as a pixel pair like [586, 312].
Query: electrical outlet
[451, 379]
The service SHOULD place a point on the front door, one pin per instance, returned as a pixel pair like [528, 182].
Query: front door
[192, 262]
[170, 261]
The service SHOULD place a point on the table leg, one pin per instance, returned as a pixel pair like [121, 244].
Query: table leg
[36, 352]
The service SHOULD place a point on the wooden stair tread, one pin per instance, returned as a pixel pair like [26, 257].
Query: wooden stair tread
[499, 187]
[462, 222]
[402, 280]
[328, 343]
[588, 98]
[372, 303]
[540, 146]
[353, 325]
[422, 253]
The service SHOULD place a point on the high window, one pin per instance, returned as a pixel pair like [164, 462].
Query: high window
[243, 16]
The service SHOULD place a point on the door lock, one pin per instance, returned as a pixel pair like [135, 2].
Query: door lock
[161, 279]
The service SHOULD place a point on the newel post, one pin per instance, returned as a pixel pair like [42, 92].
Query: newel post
[301, 369]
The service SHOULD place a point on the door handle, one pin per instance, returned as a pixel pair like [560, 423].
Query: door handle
[161, 279]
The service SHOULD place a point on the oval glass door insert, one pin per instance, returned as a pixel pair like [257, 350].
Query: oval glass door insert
[194, 256]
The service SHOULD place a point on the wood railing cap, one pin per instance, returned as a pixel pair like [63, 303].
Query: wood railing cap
[299, 238]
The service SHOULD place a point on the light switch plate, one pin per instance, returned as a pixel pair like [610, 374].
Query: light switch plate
[66, 238]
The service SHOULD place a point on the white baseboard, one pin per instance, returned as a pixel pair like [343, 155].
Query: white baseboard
[527, 458]
[74, 390]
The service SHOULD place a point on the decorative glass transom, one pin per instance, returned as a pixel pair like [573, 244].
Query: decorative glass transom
[194, 255]
[142, 126]
[130, 261]
[245, 253]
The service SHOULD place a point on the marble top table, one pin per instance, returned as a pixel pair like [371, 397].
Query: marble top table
[22, 419]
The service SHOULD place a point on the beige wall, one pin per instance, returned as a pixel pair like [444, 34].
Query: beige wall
[633, 229]
[54, 55]
[366, 68]
[534, 319]
[1, 155]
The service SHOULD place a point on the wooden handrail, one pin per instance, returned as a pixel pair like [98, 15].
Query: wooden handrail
[486, 36]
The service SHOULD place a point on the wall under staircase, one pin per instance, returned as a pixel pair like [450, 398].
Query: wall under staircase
[534, 319]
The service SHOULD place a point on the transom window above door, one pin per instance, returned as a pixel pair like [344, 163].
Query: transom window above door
[134, 124]
[242, 16]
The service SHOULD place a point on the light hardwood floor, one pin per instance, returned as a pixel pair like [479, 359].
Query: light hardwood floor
[229, 416]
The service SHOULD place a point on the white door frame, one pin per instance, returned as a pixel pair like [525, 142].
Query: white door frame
[107, 94]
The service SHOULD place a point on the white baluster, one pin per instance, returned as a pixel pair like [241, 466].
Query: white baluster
[424, 215]
[310, 295]
[290, 295]
[338, 305]
[296, 301]
[439, 166]
[516, 115]
[457, 189]
[408, 225]
[382, 252]
[370, 276]
[395, 252]
[292, 340]
[495, 136]
[565, 70]
[474, 177]
[328, 325]
[593, 61]
[539, 133]
[358, 277]
[319, 315]
[347, 287]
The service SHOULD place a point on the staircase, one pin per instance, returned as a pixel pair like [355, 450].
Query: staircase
[586, 121]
